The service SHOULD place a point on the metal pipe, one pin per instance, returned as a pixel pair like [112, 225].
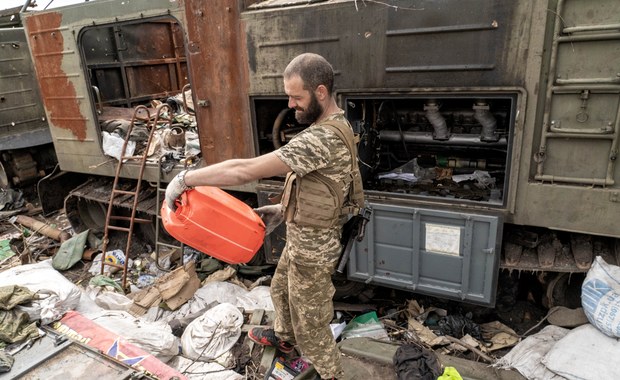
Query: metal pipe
[582, 181]
[26, 5]
[589, 37]
[588, 80]
[583, 136]
[42, 228]
[594, 89]
[484, 116]
[590, 28]
[426, 138]
[613, 154]
[437, 120]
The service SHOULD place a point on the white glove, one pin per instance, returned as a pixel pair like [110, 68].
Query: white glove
[271, 215]
[175, 188]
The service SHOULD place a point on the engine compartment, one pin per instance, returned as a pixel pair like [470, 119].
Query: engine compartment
[440, 145]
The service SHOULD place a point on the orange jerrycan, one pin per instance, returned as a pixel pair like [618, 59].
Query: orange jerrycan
[215, 223]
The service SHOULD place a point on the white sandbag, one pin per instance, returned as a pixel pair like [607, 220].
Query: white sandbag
[262, 296]
[585, 353]
[600, 297]
[526, 357]
[113, 301]
[153, 337]
[213, 333]
[220, 292]
[58, 294]
[196, 370]
[87, 305]
[214, 293]
[194, 305]
[227, 292]
[106, 299]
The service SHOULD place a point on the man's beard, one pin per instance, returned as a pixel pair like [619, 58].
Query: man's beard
[311, 114]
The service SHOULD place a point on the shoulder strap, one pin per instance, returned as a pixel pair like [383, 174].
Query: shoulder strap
[344, 131]
[356, 191]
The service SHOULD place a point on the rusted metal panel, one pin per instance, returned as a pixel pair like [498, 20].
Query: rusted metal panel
[219, 79]
[133, 62]
[59, 94]
[22, 118]
[80, 150]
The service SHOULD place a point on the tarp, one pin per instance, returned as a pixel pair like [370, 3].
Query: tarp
[82, 329]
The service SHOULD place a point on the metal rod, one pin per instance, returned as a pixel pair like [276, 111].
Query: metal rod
[427, 138]
[582, 181]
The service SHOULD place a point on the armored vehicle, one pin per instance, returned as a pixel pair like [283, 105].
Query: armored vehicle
[489, 129]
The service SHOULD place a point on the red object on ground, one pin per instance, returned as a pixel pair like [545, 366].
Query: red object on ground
[79, 328]
[215, 223]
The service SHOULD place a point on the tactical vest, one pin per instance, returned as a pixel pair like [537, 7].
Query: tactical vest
[315, 200]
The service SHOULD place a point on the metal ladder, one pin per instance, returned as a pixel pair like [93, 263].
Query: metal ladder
[158, 241]
[141, 113]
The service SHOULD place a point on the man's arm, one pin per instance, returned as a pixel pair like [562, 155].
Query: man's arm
[237, 171]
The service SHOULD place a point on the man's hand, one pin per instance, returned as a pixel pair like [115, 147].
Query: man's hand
[175, 188]
[271, 215]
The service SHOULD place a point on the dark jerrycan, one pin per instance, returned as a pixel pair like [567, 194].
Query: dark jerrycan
[215, 223]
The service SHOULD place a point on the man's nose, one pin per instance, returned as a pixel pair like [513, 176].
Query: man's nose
[292, 103]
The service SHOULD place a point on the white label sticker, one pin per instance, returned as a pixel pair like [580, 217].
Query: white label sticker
[443, 239]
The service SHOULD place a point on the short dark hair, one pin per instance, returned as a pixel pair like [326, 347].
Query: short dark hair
[313, 69]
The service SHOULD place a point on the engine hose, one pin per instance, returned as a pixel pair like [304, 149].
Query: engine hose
[277, 125]
[489, 124]
[437, 121]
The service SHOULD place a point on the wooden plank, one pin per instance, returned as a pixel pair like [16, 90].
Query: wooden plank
[255, 320]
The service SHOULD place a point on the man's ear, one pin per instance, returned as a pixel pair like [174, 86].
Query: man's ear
[321, 92]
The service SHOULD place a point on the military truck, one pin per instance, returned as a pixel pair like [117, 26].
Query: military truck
[489, 129]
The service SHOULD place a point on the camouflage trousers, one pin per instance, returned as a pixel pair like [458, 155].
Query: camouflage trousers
[302, 297]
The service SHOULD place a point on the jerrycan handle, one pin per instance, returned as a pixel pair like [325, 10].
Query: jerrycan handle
[182, 201]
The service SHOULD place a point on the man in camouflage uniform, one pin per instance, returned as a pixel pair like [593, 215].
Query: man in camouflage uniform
[301, 288]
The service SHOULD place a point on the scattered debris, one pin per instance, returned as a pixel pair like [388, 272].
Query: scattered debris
[42, 228]
[192, 319]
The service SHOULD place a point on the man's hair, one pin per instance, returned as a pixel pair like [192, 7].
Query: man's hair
[313, 70]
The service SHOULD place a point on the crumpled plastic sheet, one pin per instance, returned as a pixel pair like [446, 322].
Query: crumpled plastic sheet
[410, 172]
[11, 199]
[217, 292]
[526, 356]
[58, 294]
[192, 144]
[257, 298]
[113, 145]
[109, 300]
[212, 334]
[153, 337]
